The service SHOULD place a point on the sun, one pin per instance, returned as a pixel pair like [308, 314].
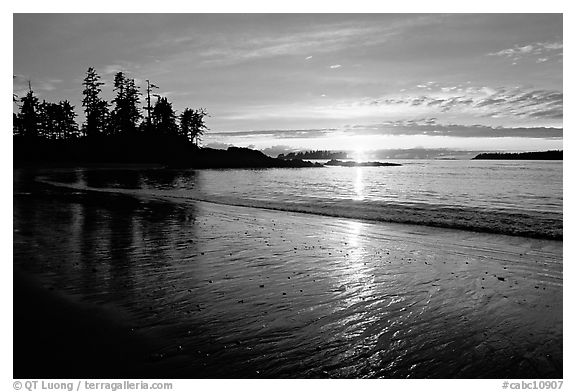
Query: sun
[359, 154]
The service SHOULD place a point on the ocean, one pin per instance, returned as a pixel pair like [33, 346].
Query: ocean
[507, 197]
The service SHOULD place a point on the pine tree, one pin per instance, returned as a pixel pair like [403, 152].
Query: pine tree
[45, 127]
[192, 124]
[164, 118]
[126, 114]
[116, 116]
[132, 106]
[186, 124]
[96, 109]
[148, 107]
[28, 119]
[66, 120]
[198, 125]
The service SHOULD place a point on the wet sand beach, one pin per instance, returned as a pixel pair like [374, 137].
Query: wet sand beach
[59, 337]
[211, 290]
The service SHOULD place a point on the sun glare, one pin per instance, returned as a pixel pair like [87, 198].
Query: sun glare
[358, 185]
[359, 154]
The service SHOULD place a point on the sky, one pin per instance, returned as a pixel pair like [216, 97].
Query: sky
[283, 82]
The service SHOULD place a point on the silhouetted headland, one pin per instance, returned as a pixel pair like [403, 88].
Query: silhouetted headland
[335, 162]
[117, 132]
[551, 155]
[143, 150]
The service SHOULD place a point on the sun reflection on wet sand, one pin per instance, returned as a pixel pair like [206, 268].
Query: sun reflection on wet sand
[358, 276]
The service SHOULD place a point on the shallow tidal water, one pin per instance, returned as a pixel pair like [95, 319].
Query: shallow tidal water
[236, 291]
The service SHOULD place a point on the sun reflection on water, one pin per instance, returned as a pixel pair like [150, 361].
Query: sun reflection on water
[359, 184]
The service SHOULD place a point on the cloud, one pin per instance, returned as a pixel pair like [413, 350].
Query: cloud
[428, 126]
[220, 49]
[423, 153]
[485, 102]
[112, 69]
[335, 66]
[126, 67]
[326, 40]
[279, 134]
[530, 50]
[550, 113]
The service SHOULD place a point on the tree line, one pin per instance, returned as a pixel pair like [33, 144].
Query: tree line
[314, 154]
[122, 117]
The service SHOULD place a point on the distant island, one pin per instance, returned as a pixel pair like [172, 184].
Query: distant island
[335, 162]
[551, 155]
[238, 158]
[317, 154]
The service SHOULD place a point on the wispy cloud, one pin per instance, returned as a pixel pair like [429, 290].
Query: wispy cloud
[541, 51]
[335, 66]
[485, 102]
[318, 38]
[428, 126]
[320, 41]
[280, 133]
[112, 69]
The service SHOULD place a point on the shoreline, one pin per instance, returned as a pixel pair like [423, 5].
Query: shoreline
[357, 212]
[482, 285]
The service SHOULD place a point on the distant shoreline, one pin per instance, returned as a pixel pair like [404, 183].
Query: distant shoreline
[336, 162]
[552, 155]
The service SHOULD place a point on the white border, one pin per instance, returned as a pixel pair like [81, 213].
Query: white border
[295, 6]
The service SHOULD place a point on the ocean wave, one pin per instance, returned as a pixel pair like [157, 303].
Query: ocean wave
[532, 224]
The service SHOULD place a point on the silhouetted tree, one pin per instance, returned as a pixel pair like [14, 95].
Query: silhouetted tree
[15, 125]
[96, 108]
[314, 154]
[148, 107]
[45, 115]
[192, 124]
[67, 120]
[125, 116]
[56, 120]
[164, 118]
[37, 122]
[186, 123]
[28, 119]
[116, 115]
[198, 125]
